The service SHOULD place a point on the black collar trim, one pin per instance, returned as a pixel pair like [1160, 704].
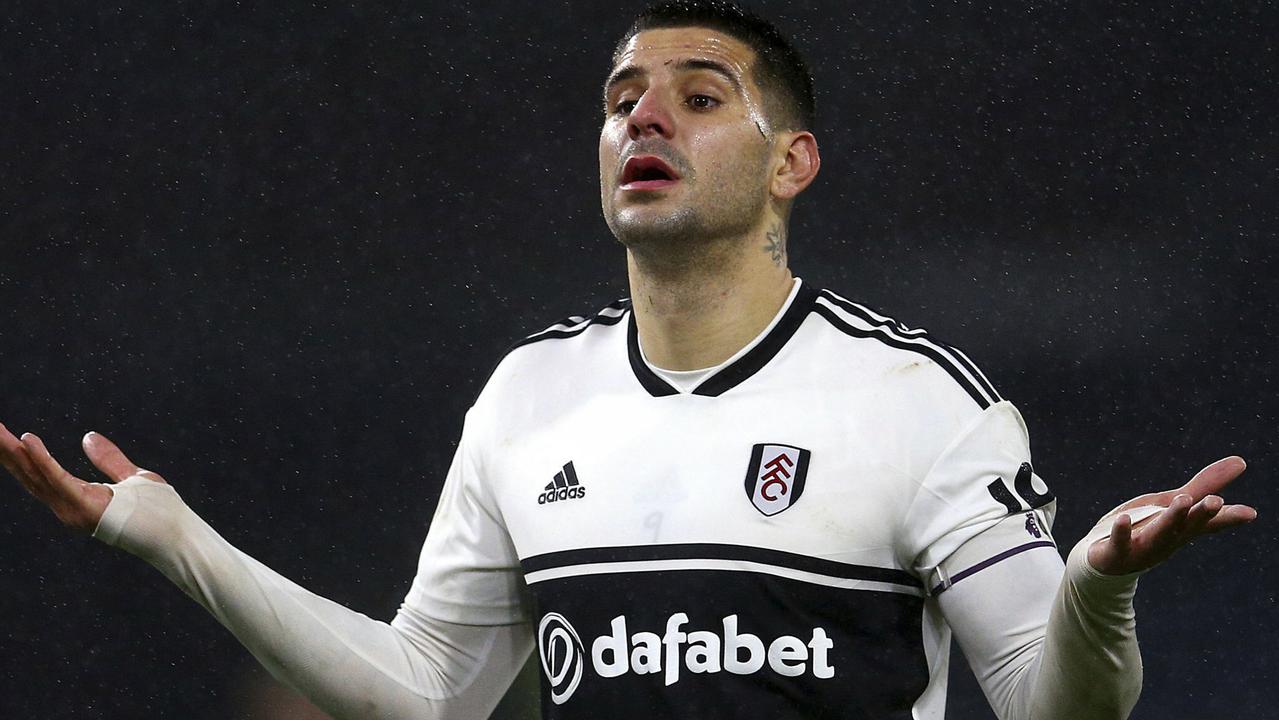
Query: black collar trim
[742, 368]
[656, 386]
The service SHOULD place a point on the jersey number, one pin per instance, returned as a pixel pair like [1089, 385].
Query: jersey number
[999, 490]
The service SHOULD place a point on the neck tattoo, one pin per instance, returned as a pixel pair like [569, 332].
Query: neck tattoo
[777, 245]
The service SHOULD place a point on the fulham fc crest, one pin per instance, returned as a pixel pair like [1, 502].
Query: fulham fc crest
[775, 478]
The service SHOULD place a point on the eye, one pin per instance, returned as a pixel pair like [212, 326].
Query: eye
[702, 102]
[624, 107]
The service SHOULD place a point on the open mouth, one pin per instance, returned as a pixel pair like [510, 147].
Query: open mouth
[647, 172]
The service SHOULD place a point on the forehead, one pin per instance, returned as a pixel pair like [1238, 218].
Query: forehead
[663, 45]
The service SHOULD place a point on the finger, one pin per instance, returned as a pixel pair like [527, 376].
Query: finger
[15, 458]
[1204, 510]
[108, 458]
[49, 473]
[1109, 555]
[1230, 516]
[12, 451]
[1168, 525]
[1199, 515]
[1121, 535]
[1214, 478]
[1160, 499]
[1208, 481]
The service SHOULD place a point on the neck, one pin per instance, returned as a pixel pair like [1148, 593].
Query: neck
[698, 309]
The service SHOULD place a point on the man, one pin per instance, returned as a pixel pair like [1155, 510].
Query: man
[733, 496]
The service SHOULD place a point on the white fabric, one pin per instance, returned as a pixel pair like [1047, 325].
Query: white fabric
[1045, 641]
[953, 503]
[351, 666]
[469, 572]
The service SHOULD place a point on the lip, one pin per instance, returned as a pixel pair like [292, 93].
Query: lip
[638, 165]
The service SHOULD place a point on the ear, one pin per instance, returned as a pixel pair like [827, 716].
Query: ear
[798, 166]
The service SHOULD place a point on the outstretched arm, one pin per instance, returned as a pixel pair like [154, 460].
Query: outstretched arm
[1046, 644]
[348, 664]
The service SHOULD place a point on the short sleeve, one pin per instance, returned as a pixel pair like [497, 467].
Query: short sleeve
[469, 572]
[982, 476]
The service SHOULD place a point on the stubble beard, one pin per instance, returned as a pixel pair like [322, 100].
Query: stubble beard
[698, 236]
[639, 229]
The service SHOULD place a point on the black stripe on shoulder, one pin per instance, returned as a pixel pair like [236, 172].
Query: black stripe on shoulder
[972, 369]
[900, 330]
[611, 314]
[715, 551]
[926, 350]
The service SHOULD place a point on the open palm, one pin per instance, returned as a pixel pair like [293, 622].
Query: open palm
[77, 504]
[1193, 510]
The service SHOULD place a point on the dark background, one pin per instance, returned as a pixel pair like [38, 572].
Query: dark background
[273, 252]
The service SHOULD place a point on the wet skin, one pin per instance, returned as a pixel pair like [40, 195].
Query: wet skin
[686, 97]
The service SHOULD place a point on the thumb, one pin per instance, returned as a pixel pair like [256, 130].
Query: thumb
[108, 458]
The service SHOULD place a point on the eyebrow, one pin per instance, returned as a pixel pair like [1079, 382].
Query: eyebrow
[629, 72]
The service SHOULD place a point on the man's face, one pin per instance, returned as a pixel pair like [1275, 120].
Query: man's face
[685, 146]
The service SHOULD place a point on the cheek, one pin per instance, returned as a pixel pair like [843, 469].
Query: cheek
[610, 141]
[730, 158]
[609, 153]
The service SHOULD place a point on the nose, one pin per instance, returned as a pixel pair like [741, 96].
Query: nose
[650, 116]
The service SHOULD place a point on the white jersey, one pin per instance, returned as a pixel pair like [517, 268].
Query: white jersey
[766, 544]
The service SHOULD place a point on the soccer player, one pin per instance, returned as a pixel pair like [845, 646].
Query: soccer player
[734, 495]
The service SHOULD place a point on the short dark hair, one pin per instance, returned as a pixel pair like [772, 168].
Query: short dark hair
[779, 68]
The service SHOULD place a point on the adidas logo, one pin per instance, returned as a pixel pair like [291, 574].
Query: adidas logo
[564, 487]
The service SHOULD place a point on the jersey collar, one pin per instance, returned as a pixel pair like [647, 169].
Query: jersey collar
[736, 372]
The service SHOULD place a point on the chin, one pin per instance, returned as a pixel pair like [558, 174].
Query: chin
[638, 227]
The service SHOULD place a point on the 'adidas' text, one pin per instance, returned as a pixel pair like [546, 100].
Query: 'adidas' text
[565, 486]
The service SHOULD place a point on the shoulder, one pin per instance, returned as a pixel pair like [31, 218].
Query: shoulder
[576, 325]
[566, 346]
[913, 356]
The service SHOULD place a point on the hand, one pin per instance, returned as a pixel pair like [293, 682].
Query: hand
[78, 504]
[1189, 512]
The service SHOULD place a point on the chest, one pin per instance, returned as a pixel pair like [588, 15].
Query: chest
[772, 472]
